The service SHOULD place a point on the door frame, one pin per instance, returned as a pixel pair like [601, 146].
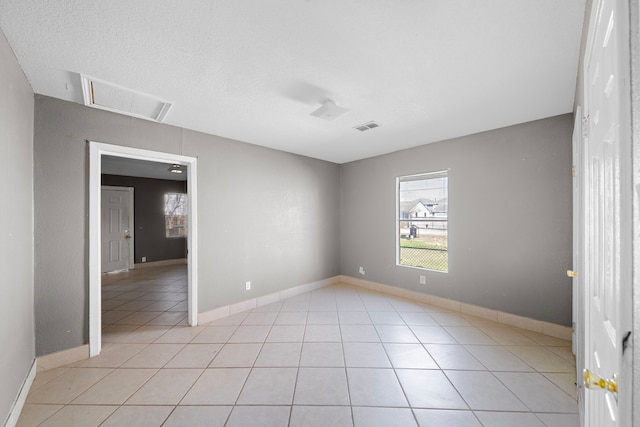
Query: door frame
[129, 190]
[96, 151]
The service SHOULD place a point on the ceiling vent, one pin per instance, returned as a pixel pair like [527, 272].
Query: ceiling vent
[118, 99]
[366, 126]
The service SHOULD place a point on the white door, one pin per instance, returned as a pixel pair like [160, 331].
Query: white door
[607, 215]
[117, 228]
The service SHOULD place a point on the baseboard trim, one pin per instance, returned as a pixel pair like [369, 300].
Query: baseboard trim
[62, 358]
[16, 409]
[160, 263]
[249, 304]
[545, 328]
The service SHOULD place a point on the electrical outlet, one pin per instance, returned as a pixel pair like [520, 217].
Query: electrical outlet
[144, 259]
[247, 286]
[361, 271]
[423, 280]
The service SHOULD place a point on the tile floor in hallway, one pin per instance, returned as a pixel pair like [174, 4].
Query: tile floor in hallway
[338, 356]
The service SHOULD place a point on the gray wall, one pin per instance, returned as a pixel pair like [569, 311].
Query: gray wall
[509, 218]
[16, 217]
[264, 215]
[150, 239]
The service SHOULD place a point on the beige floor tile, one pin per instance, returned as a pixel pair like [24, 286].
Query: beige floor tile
[145, 334]
[506, 335]
[167, 387]
[112, 356]
[269, 386]
[291, 318]
[396, 334]
[444, 417]
[215, 334]
[116, 333]
[382, 417]
[432, 335]
[153, 356]
[286, 333]
[279, 355]
[497, 358]
[269, 416]
[482, 391]
[138, 318]
[375, 387]
[451, 356]
[34, 414]
[386, 318]
[44, 377]
[260, 318]
[180, 335]
[537, 392]
[322, 333]
[566, 382]
[138, 416]
[168, 318]
[410, 356]
[321, 386]
[365, 355]
[501, 419]
[322, 354]
[66, 387]
[236, 356]
[321, 416]
[322, 318]
[79, 416]
[359, 333]
[469, 335]
[354, 318]
[198, 416]
[429, 389]
[560, 420]
[194, 356]
[220, 386]
[542, 359]
[418, 319]
[250, 334]
[115, 388]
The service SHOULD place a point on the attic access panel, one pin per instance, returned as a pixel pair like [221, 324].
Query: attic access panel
[111, 97]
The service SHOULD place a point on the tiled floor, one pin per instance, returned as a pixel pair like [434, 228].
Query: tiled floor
[338, 356]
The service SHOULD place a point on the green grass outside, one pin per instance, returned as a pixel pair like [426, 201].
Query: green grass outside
[416, 256]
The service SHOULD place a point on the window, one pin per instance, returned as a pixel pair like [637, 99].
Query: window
[175, 215]
[422, 220]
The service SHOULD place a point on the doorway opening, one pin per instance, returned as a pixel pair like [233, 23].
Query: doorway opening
[96, 153]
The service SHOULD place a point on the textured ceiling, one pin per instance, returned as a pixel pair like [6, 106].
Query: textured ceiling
[254, 70]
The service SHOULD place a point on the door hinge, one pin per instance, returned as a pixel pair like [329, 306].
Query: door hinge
[573, 171]
[585, 126]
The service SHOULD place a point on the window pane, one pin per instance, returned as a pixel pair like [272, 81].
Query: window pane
[175, 214]
[423, 221]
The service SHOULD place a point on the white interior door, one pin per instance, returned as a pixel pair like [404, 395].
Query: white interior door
[607, 214]
[117, 228]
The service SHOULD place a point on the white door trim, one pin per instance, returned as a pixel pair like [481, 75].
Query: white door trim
[131, 219]
[96, 151]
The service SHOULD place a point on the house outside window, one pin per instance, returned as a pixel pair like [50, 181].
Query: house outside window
[175, 215]
[423, 221]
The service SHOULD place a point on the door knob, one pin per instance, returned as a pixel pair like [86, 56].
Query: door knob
[595, 381]
[572, 273]
[127, 236]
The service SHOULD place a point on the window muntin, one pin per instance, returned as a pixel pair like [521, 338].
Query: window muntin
[175, 215]
[422, 221]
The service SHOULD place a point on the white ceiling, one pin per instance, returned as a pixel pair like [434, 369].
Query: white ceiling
[254, 70]
[111, 165]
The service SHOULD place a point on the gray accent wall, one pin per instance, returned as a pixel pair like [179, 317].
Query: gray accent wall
[510, 225]
[16, 216]
[264, 215]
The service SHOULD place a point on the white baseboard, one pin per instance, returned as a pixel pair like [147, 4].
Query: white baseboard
[61, 358]
[546, 328]
[16, 409]
[249, 304]
[160, 263]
